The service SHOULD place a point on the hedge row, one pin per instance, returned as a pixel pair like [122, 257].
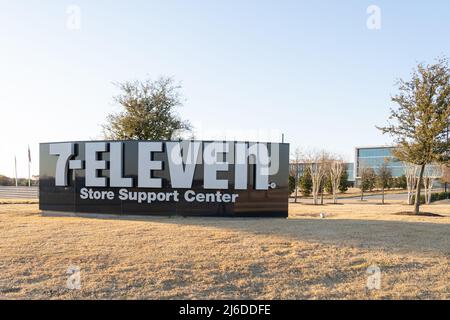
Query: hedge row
[434, 197]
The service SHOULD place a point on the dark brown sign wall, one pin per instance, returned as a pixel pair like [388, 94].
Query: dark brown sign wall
[71, 179]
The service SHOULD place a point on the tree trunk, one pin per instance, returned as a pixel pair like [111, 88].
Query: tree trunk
[362, 194]
[419, 182]
[296, 182]
[382, 197]
[430, 190]
[425, 189]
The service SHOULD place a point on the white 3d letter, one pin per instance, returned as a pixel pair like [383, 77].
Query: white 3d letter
[146, 165]
[212, 165]
[182, 177]
[64, 151]
[116, 166]
[93, 165]
[260, 153]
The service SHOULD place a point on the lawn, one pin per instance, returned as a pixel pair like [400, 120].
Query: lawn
[304, 257]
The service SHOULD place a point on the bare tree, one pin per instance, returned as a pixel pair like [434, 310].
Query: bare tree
[294, 170]
[368, 179]
[316, 164]
[411, 173]
[335, 168]
[445, 179]
[384, 175]
[431, 173]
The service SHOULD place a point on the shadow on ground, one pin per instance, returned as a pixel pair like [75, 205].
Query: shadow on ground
[422, 237]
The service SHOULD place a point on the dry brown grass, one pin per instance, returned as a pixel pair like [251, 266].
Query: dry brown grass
[372, 210]
[19, 201]
[300, 258]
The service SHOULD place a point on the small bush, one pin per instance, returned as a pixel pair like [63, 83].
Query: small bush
[291, 184]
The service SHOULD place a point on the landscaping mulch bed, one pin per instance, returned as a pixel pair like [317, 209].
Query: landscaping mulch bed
[421, 214]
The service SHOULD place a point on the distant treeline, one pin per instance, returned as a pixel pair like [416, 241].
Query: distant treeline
[6, 181]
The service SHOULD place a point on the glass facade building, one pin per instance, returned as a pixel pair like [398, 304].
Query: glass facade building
[300, 169]
[374, 157]
[350, 167]
[365, 157]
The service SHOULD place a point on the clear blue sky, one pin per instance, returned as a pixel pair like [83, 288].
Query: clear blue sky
[310, 69]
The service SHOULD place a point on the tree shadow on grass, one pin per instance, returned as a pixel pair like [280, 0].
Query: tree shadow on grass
[423, 237]
[391, 235]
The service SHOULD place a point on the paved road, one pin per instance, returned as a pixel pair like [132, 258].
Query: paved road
[387, 197]
[396, 196]
[19, 192]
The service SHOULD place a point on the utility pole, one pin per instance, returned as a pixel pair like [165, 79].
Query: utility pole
[448, 129]
[15, 169]
[296, 181]
[29, 167]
